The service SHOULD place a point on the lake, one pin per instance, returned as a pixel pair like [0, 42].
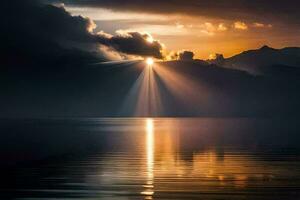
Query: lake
[150, 158]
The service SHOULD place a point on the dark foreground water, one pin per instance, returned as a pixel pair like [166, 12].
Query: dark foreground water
[150, 159]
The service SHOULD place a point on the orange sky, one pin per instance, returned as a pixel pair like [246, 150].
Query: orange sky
[204, 36]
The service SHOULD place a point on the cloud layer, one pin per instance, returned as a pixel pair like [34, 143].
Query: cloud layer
[34, 32]
[287, 10]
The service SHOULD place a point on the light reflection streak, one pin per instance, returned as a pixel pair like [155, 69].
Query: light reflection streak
[149, 188]
[150, 148]
[169, 158]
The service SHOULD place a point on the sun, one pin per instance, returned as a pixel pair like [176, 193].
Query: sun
[149, 61]
[149, 39]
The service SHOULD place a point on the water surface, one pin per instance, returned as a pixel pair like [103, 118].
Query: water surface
[144, 158]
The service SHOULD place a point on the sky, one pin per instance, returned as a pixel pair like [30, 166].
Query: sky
[204, 27]
[76, 31]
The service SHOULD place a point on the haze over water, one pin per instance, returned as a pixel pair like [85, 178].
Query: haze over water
[142, 158]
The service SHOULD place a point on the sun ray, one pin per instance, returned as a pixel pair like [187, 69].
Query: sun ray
[143, 98]
[181, 87]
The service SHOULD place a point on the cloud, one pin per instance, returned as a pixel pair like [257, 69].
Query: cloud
[38, 33]
[240, 25]
[211, 29]
[222, 27]
[285, 11]
[133, 43]
[172, 55]
[258, 25]
[186, 55]
[208, 28]
[217, 59]
[261, 25]
[179, 25]
[41, 33]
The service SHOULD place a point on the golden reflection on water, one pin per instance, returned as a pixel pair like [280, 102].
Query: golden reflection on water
[164, 158]
[149, 189]
[168, 159]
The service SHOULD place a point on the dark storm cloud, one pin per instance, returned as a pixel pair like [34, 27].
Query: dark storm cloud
[134, 43]
[287, 10]
[186, 55]
[33, 32]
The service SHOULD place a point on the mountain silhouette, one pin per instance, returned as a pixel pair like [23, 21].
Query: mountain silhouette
[255, 61]
[185, 88]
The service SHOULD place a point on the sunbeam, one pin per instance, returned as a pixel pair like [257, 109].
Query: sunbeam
[183, 88]
[143, 98]
[115, 64]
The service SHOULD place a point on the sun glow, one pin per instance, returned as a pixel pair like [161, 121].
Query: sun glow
[149, 62]
[150, 39]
